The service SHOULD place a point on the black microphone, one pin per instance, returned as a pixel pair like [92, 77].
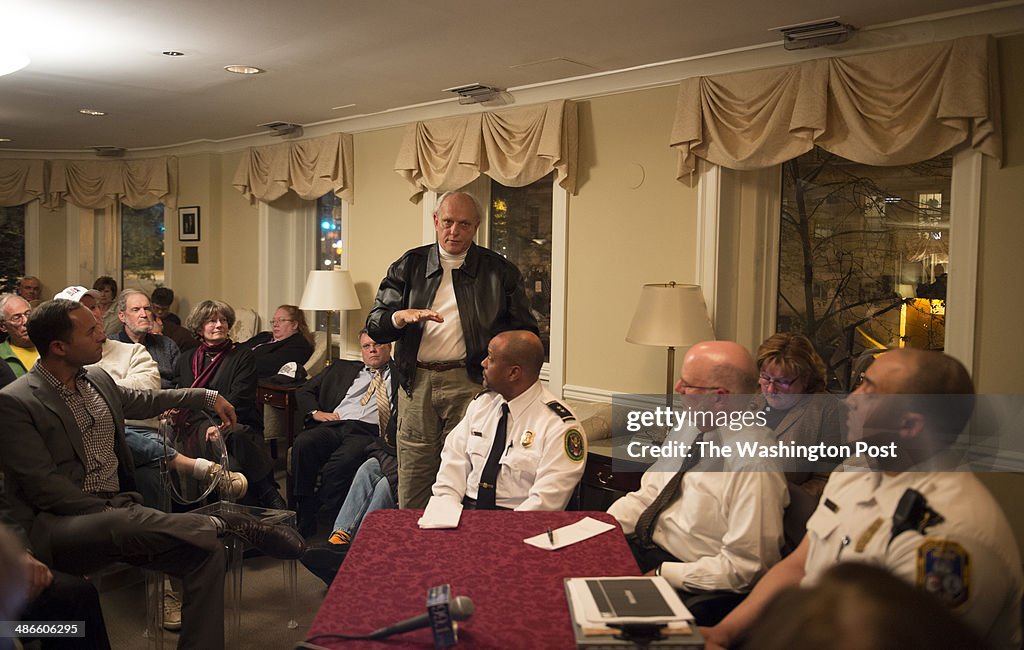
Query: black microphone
[459, 610]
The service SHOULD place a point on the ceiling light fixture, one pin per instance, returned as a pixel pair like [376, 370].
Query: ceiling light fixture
[243, 69]
[5, 139]
[12, 61]
[172, 53]
[91, 113]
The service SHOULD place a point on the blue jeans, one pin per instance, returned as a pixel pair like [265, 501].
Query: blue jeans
[146, 445]
[147, 449]
[370, 491]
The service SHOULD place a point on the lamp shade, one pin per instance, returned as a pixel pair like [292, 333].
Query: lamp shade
[670, 315]
[329, 291]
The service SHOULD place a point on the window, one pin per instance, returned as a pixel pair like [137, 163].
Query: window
[12, 243]
[142, 247]
[329, 240]
[330, 246]
[518, 226]
[863, 255]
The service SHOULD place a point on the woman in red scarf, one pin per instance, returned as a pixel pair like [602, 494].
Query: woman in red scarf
[220, 364]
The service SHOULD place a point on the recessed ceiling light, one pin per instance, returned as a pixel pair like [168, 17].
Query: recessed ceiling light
[5, 139]
[172, 53]
[243, 69]
[338, 108]
[90, 112]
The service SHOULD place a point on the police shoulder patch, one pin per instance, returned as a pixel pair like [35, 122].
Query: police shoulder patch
[944, 569]
[561, 410]
[574, 445]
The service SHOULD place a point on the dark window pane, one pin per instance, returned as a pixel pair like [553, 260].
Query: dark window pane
[863, 255]
[142, 247]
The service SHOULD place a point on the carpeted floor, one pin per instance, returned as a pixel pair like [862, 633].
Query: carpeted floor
[264, 608]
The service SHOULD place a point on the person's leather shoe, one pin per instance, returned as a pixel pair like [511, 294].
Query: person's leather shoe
[324, 561]
[277, 541]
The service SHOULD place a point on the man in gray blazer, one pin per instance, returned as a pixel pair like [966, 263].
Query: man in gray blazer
[69, 474]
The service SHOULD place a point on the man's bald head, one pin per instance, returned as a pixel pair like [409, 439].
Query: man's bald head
[513, 362]
[723, 364]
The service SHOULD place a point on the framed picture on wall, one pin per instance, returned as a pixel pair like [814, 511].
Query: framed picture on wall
[188, 223]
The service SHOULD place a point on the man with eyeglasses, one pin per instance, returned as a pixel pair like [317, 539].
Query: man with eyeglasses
[938, 529]
[442, 303]
[348, 407]
[700, 522]
[17, 350]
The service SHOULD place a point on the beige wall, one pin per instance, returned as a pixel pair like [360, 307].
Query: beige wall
[999, 356]
[631, 223]
[53, 253]
[383, 222]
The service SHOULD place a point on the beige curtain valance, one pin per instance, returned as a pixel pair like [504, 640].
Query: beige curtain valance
[21, 181]
[311, 168]
[99, 184]
[886, 108]
[514, 147]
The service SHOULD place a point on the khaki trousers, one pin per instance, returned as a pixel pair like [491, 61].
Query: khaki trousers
[439, 401]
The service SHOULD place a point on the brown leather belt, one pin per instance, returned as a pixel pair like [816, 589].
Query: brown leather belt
[441, 366]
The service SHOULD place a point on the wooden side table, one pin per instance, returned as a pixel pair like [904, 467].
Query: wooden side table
[280, 397]
[608, 476]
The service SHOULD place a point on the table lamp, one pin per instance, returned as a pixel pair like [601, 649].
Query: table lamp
[670, 315]
[329, 291]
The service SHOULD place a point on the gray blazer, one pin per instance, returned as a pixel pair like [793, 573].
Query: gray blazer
[41, 448]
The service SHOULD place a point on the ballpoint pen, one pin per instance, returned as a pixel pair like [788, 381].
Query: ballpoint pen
[551, 536]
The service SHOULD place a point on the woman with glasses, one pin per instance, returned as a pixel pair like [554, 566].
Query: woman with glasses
[289, 340]
[222, 365]
[797, 406]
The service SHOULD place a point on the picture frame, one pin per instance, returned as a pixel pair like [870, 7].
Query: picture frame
[188, 223]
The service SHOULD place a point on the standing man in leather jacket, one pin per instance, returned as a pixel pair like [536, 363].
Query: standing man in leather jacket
[442, 303]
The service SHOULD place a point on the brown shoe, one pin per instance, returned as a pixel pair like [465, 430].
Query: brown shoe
[276, 540]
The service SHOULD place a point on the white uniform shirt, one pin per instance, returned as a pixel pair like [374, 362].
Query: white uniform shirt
[726, 526]
[545, 452]
[970, 560]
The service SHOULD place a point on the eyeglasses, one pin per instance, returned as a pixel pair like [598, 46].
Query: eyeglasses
[18, 319]
[778, 381]
[278, 321]
[682, 385]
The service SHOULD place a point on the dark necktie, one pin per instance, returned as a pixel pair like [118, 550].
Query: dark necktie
[487, 492]
[644, 529]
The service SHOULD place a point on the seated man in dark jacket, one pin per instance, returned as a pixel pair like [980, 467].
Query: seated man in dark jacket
[346, 407]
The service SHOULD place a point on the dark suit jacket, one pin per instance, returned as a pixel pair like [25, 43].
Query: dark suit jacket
[41, 447]
[270, 355]
[325, 391]
[235, 380]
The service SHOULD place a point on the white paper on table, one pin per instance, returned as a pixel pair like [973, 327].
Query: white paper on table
[441, 512]
[567, 535]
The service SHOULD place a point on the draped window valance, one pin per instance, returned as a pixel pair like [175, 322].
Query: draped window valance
[514, 147]
[21, 181]
[98, 184]
[887, 108]
[310, 168]
[90, 183]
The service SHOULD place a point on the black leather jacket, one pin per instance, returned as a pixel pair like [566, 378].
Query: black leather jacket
[488, 290]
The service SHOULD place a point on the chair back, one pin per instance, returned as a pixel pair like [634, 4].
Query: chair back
[319, 357]
[247, 325]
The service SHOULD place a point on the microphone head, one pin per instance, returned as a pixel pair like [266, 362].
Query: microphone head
[461, 608]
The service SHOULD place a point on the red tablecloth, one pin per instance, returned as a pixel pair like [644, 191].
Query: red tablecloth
[516, 588]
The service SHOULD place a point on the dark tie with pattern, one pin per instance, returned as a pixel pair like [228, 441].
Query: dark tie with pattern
[644, 529]
[486, 493]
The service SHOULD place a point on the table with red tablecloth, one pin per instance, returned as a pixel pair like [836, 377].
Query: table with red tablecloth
[517, 588]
